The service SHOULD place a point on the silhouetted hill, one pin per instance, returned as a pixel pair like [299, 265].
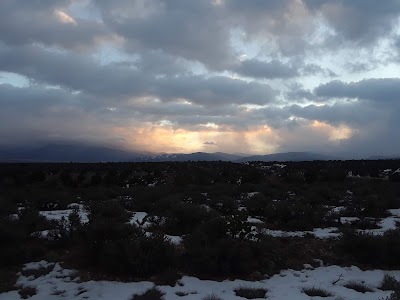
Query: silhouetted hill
[288, 156]
[197, 156]
[66, 153]
[75, 152]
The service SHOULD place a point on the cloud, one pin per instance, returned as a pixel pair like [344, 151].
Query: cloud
[381, 90]
[46, 22]
[190, 29]
[65, 18]
[177, 76]
[84, 74]
[262, 69]
[359, 21]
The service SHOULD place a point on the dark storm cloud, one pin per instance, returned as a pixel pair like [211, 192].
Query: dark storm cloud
[194, 30]
[72, 71]
[383, 91]
[33, 113]
[84, 74]
[217, 90]
[373, 116]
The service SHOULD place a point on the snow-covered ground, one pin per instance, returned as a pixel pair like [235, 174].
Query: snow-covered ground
[140, 218]
[321, 233]
[287, 285]
[386, 224]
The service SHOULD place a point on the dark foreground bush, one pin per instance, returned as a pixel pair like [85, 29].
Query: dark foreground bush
[12, 238]
[389, 283]
[211, 251]
[125, 249]
[27, 292]
[373, 250]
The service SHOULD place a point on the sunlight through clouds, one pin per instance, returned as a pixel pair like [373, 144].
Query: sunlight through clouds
[64, 17]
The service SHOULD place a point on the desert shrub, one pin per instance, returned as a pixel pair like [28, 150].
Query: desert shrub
[374, 207]
[358, 286]
[122, 248]
[109, 209]
[316, 292]
[257, 204]
[169, 276]
[377, 251]
[394, 296]
[12, 236]
[32, 221]
[390, 283]
[8, 279]
[7, 206]
[295, 215]
[251, 293]
[152, 294]
[184, 217]
[211, 251]
[148, 199]
[49, 199]
[367, 223]
[67, 230]
[364, 248]
[237, 226]
[27, 292]
[225, 205]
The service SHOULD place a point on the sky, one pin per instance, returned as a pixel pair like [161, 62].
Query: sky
[182, 76]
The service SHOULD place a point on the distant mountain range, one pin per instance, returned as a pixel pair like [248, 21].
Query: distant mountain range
[289, 156]
[66, 153]
[71, 152]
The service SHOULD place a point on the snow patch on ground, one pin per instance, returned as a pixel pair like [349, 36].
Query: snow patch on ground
[58, 215]
[385, 224]
[252, 194]
[322, 233]
[138, 218]
[62, 283]
[395, 212]
[254, 220]
[174, 239]
[348, 220]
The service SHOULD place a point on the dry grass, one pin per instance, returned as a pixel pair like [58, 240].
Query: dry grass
[358, 286]
[316, 292]
[212, 297]
[251, 293]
